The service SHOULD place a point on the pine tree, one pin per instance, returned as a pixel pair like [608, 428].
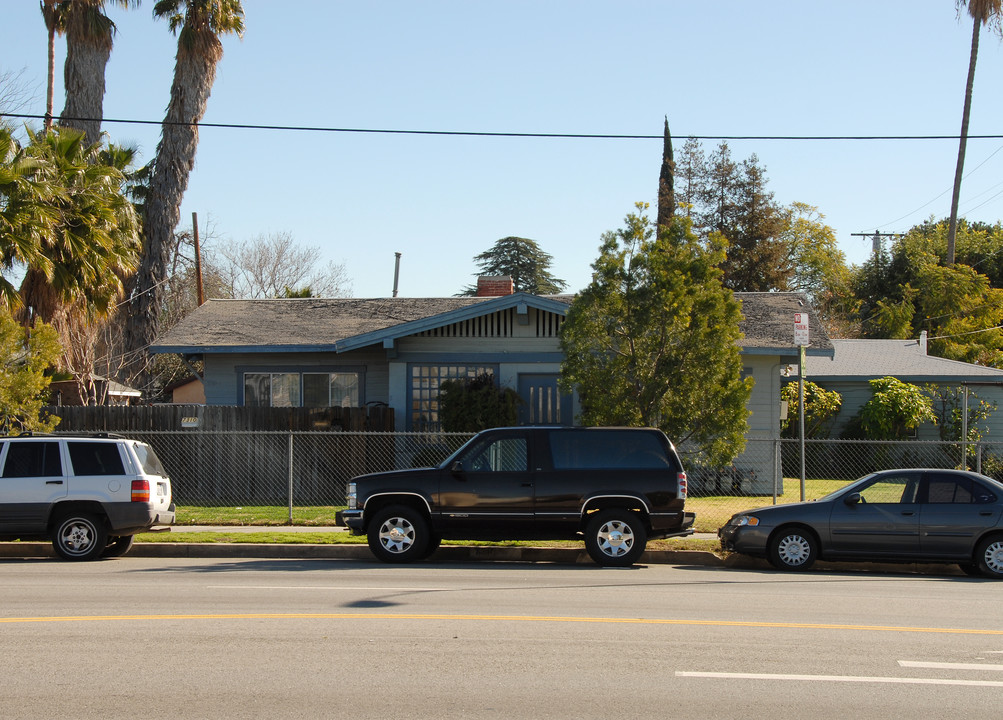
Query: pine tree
[524, 261]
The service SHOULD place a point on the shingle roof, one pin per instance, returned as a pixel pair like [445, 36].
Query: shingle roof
[903, 359]
[315, 324]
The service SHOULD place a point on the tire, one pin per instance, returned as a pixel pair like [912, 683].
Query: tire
[79, 536]
[118, 546]
[434, 542]
[989, 557]
[793, 549]
[398, 534]
[615, 538]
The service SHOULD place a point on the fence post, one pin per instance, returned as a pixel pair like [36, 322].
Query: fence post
[290, 477]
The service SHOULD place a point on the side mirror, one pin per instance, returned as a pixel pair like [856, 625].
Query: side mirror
[456, 468]
[852, 499]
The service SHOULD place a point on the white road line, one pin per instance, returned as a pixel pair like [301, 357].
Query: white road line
[949, 666]
[840, 678]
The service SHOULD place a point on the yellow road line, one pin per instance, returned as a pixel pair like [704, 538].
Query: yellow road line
[504, 618]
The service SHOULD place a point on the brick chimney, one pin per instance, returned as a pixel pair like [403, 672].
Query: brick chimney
[495, 285]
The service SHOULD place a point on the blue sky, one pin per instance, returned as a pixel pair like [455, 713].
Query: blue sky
[856, 67]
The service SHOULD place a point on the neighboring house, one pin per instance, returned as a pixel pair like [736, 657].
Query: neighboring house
[855, 362]
[188, 391]
[109, 392]
[352, 352]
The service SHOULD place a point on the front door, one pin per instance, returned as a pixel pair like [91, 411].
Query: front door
[32, 479]
[489, 488]
[542, 401]
[885, 521]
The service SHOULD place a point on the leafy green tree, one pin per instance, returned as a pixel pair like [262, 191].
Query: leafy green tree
[475, 404]
[654, 339]
[821, 407]
[948, 410]
[982, 12]
[819, 268]
[24, 380]
[895, 409]
[524, 261]
[198, 25]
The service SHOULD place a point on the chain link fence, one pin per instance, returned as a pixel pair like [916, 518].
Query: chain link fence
[306, 469]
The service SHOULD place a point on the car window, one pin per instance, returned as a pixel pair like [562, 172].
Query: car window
[33, 459]
[95, 458]
[499, 455]
[956, 489]
[588, 449]
[889, 489]
[149, 460]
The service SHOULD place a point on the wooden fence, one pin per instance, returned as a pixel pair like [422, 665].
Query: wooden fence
[141, 418]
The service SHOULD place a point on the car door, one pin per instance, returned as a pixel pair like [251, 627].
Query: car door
[956, 509]
[31, 481]
[879, 519]
[488, 489]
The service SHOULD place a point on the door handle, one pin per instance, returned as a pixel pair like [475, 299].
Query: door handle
[527, 484]
[53, 482]
[908, 514]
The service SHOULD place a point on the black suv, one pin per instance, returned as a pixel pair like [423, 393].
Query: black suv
[615, 486]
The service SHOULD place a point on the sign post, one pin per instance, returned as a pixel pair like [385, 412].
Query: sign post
[801, 340]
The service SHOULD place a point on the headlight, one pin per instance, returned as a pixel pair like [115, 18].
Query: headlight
[740, 520]
[352, 496]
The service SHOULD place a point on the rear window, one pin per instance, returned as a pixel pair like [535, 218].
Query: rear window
[618, 449]
[95, 458]
[149, 460]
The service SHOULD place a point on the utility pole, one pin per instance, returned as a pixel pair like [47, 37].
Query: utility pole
[876, 240]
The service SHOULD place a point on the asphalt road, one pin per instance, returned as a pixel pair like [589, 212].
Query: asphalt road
[321, 638]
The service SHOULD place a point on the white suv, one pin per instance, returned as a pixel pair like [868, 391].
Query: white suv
[88, 494]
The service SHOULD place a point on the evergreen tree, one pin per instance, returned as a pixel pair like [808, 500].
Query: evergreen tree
[524, 261]
[654, 339]
[27, 357]
[666, 181]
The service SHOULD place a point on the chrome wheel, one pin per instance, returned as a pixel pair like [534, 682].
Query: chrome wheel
[397, 535]
[793, 550]
[616, 538]
[989, 556]
[79, 537]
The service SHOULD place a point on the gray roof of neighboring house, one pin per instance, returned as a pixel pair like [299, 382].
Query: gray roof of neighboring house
[339, 324]
[862, 360]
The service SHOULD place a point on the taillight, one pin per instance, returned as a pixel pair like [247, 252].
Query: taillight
[682, 484]
[140, 491]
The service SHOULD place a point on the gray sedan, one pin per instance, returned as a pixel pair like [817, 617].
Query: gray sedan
[908, 515]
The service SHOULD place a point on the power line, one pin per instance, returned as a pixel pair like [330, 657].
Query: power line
[479, 133]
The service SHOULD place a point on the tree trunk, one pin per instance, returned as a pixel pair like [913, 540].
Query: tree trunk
[194, 74]
[88, 47]
[952, 229]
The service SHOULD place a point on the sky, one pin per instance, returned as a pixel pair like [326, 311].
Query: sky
[594, 67]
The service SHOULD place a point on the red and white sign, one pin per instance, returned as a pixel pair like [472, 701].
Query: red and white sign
[801, 329]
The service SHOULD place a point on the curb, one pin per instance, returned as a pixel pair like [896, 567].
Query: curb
[448, 553]
[475, 553]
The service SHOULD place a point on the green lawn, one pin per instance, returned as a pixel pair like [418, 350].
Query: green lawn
[712, 512]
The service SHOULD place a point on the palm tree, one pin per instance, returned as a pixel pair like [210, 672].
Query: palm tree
[90, 241]
[25, 213]
[982, 12]
[53, 14]
[89, 34]
[198, 25]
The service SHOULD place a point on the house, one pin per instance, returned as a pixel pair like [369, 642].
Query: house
[353, 352]
[107, 392]
[856, 362]
[187, 391]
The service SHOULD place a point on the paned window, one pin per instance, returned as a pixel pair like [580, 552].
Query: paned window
[425, 382]
[291, 389]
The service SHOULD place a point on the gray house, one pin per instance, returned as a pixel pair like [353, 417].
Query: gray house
[855, 362]
[351, 352]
